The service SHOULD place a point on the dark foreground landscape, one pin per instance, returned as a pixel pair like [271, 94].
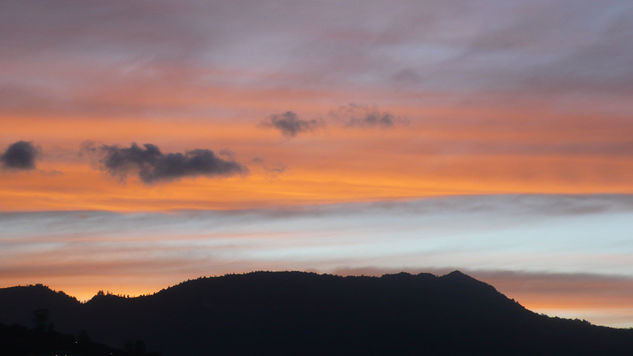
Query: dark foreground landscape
[297, 313]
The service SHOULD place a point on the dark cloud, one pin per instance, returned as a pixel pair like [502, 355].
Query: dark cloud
[20, 155]
[152, 165]
[353, 115]
[290, 124]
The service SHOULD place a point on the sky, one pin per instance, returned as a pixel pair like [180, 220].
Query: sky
[143, 143]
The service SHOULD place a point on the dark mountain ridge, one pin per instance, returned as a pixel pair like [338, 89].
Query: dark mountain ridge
[308, 313]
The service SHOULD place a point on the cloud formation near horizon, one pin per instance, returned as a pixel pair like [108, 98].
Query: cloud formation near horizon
[20, 155]
[289, 123]
[152, 165]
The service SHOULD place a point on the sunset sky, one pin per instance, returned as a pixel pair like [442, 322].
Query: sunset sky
[143, 143]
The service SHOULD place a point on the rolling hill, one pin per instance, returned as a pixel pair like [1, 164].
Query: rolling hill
[308, 313]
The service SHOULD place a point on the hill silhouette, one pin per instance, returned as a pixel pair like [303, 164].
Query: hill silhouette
[308, 313]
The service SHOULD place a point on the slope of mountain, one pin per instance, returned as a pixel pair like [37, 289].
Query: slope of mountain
[307, 313]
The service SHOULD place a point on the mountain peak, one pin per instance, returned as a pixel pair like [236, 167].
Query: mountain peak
[458, 276]
[399, 275]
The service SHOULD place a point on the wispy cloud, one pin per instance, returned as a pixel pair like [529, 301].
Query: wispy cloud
[348, 116]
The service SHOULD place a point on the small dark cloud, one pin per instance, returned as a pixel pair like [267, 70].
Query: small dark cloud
[20, 155]
[290, 124]
[353, 115]
[152, 165]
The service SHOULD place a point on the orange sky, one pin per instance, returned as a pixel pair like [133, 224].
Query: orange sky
[446, 154]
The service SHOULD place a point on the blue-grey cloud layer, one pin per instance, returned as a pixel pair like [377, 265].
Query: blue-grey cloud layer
[528, 47]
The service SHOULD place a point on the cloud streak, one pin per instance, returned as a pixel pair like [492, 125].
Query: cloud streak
[153, 166]
[20, 155]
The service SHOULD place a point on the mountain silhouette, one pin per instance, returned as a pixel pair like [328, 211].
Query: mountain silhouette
[308, 313]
